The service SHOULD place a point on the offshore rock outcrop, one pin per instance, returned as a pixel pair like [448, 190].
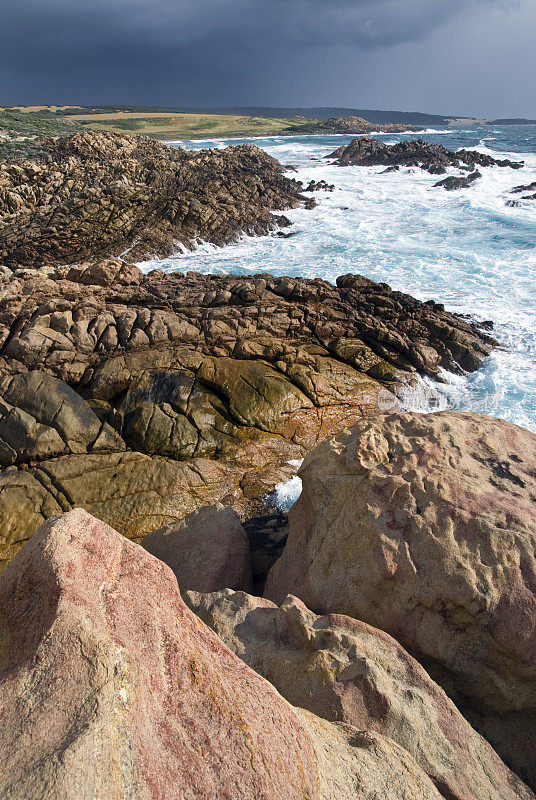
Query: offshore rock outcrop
[112, 688]
[100, 194]
[529, 187]
[347, 671]
[367, 151]
[425, 526]
[143, 398]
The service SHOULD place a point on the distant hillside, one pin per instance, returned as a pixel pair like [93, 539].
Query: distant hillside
[270, 112]
[349, 125]
[516, 121]
[322, 113]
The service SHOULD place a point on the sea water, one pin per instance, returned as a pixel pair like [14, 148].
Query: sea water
[467, 249]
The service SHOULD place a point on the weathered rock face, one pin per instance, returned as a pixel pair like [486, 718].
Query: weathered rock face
[367, 151]
[112, 688]
[97, 194]
[345, 670]
[424, 526]
[207, 550]
[143, 398]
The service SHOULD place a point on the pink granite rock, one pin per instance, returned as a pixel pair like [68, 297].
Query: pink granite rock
[111, 688]
[345, 670]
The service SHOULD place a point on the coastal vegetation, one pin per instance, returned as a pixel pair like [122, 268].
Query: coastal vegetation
[159, 124]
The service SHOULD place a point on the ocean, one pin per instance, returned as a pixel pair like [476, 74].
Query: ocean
[467, 249]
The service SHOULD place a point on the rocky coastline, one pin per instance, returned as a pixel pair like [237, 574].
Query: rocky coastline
[99, 194]
[165, 632]
[142, 397]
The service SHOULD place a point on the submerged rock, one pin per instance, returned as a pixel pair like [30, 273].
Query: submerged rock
[113, 688]
[347, 671]
[144, 397]
[98, 194]
[529, 187]
[367, 151]
[425, 526]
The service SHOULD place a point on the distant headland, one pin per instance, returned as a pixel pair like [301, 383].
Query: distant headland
[202, 123]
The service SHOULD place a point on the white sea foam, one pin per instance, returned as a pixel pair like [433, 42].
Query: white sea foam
[467, 249]
[286, 493]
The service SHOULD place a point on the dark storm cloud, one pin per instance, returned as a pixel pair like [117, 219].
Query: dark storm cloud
[208, 51]
[32, 27]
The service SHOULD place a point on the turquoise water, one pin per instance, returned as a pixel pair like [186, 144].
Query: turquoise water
[467, 249]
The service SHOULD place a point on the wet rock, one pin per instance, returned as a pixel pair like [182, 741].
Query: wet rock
[112, 688]
[424, 526]
[282, 235]
[207, 550]
[529, 187]
[367, 151]
[345, 670]
[317, 186]
[453, 182]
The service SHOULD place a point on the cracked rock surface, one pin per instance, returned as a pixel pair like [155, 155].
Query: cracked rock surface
[143, 398]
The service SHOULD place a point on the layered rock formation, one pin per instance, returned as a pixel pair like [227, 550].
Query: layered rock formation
[425, 526]
[112, 688]
[100, 194]
[143, 398]
[347, 671]
[367, 151]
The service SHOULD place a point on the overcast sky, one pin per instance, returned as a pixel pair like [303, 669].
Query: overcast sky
[467, 57]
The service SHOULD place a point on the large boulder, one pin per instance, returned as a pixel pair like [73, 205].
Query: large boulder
[207, 550]
[42, 417]
[345, 670]
[111, 688]
[425, 526]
